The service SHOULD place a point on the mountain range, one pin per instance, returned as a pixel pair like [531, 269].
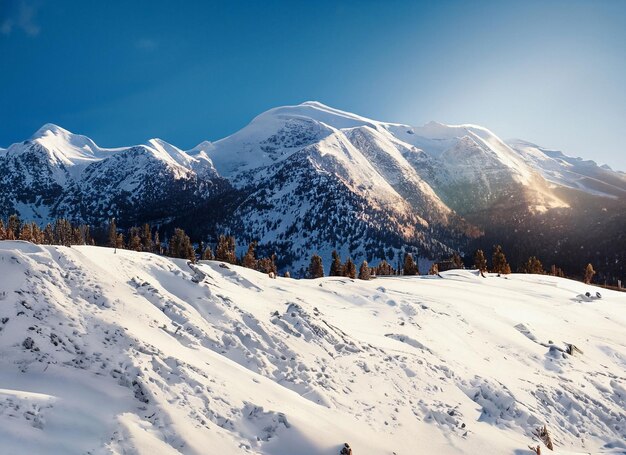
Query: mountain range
[311, 178]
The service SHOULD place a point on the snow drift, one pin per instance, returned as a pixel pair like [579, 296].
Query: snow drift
[132, 353]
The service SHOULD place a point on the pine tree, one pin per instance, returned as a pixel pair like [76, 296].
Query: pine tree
[3, 232]
[146, 238]
[364, 271]
[48, 235]
[26, 233]
[80, 235]
[267, 265]
[480, 262]
[87, 234]
[119, 241]
[556, 271]
[410, 267]
[499, 261]
[336, 267]
[456, 260]
[62, 232]
[225, 250]
[316, 268]
[112, 234]
[434, 269]
[287, 274]
[37, 233]
[532, 265]
[157, 243]
[589, 273]
[207, 255]
[134, 242]
[349, 269]
[249, 261]
[77, 237]
[13, 227]
[200, 249]
[384, 268]
[180, 246]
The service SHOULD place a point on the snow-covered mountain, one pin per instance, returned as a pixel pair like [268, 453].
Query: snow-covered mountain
[59, 174]
[336, 177]
[307, 178]
[107, 352]
[560, 169]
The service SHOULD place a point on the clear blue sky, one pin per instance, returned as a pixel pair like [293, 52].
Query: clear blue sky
[552, 72]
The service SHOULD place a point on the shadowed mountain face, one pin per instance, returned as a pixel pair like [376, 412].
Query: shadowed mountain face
[312, 178]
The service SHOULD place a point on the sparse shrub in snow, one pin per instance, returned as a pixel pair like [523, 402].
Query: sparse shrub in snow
[544, 435]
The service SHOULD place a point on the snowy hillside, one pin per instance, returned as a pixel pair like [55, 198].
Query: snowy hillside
[131, 353]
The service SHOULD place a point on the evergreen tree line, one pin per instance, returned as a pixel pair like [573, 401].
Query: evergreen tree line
[61, 232]
[532, 265]
[146, 238]
[348, 269]
[225, 251]
[410, 267]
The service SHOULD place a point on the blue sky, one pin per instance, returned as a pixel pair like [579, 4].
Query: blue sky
[552, 72]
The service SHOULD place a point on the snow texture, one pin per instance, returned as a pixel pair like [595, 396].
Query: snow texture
[132, 353]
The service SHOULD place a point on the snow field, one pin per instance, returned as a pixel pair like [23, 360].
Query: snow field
[128, 353]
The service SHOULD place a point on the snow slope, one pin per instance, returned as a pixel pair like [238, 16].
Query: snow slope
[131, 353]
[560, 169]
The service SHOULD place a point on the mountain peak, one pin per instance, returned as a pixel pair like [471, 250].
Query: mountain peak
[316, 104]
[50, 129]
[64, 146]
